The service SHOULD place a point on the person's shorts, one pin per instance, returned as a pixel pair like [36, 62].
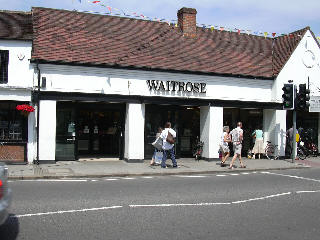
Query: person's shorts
[224, 149]
[237, 148]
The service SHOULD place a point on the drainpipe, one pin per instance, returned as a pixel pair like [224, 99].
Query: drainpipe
[38, 112]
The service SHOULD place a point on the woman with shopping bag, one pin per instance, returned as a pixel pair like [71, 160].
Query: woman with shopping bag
[157, 155]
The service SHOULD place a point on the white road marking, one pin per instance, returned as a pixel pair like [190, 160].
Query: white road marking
[209, 204]
[261, 198]
[128, 178]
[292, 176]
[164, 205]
[245, 173]
[191, 176]
[316, 191]
[177, 204]
[221, 175]
[111, 179]
[147, 177]
[67, 211]
[234, 174]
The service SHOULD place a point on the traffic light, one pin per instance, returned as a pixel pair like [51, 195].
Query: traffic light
[303, 97]
[288, 96]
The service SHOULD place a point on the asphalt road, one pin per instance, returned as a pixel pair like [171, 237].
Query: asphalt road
[252, 205]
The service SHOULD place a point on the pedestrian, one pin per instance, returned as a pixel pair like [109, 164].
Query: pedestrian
[156, 151]
[224, 145]
[258, 145]
[289, 134]
[237, 138]
[168, 136]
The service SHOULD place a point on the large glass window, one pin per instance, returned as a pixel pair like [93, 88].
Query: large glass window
[13, 125]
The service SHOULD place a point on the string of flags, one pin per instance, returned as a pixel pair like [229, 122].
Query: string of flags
[119, 12]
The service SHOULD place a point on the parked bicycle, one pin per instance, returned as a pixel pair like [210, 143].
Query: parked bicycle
[271, 151]
[302, 152]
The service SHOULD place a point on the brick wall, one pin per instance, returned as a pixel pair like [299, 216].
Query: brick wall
[11, 153]
[187, 21]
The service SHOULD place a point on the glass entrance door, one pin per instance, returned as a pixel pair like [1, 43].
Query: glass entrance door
[98, 132]
[65, 134]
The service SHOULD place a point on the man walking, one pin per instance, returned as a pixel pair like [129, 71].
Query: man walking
[168, 135]
[237, 137]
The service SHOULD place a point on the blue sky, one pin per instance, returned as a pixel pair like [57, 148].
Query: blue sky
[279, 16]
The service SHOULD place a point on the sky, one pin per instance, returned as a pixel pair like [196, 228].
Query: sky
[253, 16]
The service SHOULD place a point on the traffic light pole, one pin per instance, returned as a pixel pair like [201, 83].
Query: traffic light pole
[294, 142]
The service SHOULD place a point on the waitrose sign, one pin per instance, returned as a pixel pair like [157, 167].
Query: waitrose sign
[175, 86]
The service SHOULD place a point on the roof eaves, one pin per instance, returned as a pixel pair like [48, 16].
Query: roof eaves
[134, 67]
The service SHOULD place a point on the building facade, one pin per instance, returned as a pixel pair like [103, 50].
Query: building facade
[102, 85]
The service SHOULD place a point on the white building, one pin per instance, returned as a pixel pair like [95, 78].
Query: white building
[102, 85]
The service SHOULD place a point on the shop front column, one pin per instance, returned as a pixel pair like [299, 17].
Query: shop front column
[134, 132]
[47, 131]
[211, 124]
[31, 137]
[274, 128]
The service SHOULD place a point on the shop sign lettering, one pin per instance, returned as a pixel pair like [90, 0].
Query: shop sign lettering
[174, 86]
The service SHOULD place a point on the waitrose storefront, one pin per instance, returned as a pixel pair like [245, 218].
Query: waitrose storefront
[118, 116]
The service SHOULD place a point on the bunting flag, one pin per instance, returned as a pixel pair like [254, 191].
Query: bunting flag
[204, 26]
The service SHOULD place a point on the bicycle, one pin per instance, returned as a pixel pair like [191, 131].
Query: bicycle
[302, 152]
[271, 151]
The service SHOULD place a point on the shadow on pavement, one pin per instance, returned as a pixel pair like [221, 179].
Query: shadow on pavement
[10, 229]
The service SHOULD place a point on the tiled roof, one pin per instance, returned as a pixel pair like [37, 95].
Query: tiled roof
[15, 25]
[283, 48]
[71, 37]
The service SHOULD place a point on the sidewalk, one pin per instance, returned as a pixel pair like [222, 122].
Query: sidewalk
[118, 168]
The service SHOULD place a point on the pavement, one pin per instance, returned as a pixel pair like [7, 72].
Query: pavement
[97, 168]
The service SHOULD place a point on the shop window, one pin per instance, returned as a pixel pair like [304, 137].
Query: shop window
[4, 61]
[13, 125]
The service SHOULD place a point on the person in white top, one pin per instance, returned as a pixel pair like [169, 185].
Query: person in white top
[237, 137]
[168, 148]
[224, 145]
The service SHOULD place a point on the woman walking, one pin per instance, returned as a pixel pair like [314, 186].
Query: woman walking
[224, 145]
[153, 160]
[258, 145]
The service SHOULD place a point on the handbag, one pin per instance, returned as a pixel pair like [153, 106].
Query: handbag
[170, 139]
[158, 143]
[158, 157]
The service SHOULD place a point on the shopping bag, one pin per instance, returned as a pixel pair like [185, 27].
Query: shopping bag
[158, 143]
[158, 157]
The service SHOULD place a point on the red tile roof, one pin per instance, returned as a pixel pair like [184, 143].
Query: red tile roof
[15, 25]
[283, 48]
[70, 37]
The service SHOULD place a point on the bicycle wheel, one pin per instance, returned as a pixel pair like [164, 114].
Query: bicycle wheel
[270, 152]
[301, 154]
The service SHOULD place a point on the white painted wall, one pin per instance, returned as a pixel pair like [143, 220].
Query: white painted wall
[134, 131]
[20, 72]
[303, 63]
[133, 82]
[211, 125]
[274, 128]
[47, 130]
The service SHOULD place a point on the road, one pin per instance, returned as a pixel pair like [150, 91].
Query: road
[248, 205]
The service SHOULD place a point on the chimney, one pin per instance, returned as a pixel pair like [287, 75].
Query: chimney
[187, 21]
